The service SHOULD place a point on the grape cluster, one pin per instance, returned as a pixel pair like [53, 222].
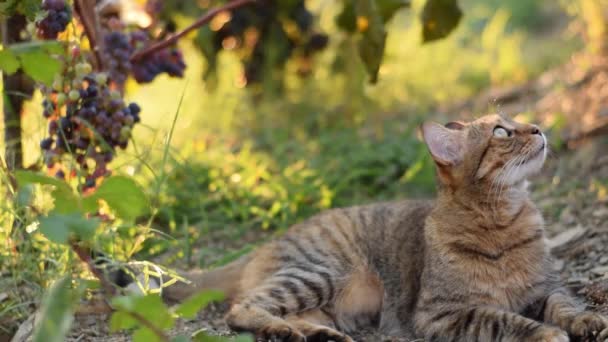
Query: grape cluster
[117, 52]
[169, 60]
[87, 120]
[118, 48]
[262, 38]
[58, 16]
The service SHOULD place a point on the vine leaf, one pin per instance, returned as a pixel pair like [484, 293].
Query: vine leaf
[439, 18]
[64, 198]
[60, 227]
[149, 308]
[347, 19]
[190, 307]
[122, 194]
[40, 66]
[373, 36]
[388, 8]
[28, 8]
[8, 62]
[57, 311]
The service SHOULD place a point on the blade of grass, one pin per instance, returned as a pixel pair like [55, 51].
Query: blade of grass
[162, 174]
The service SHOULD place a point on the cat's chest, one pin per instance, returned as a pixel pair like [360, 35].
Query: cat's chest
[511, 280]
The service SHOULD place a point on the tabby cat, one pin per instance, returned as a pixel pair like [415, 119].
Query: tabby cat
[470, 266]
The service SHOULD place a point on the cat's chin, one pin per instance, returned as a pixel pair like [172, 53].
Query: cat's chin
[531, 167]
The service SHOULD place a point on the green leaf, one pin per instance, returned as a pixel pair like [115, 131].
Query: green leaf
[347, 19]
[59, 227]
[204, 42]
[149, 307]
[55, 229]
[121, 320]
[121, 194]
[388, 8]
[25, 194]
[194, 304]
[439, 18]
[40, 65]
[50, 46]
[29, 177]
[9, 64]
[29, 8]
[66, 201]
[180, 338]
[145, 335]
[371, 45]
[8, 8]
[57, 312]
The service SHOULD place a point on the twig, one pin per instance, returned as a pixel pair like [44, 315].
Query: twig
[80, 6]
[198, 23]
[85, 256]
[143, 321]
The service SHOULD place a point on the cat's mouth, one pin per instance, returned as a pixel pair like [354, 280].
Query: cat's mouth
[527, 166]
[532, 156]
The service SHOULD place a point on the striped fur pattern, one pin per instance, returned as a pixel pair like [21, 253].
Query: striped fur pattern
[469, 266]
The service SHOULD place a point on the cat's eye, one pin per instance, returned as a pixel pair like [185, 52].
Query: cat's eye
[501, 132]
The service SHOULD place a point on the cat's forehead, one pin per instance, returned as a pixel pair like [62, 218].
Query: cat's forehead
[493, 120]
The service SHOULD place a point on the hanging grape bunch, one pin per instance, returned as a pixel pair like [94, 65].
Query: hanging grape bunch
[57, 17]
[266, 35]
[87, 120]
[169, 60]
[87, 117]
[122, 41]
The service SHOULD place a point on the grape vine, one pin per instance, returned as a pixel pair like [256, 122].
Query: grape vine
[267, 35]
[88, 119]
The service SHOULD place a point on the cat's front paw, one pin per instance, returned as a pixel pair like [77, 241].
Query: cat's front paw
[549, 334]
[588, 325]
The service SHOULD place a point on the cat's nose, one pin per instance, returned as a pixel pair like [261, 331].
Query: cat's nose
[535, 130]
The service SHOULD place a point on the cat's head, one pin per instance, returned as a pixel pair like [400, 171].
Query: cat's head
[490, 151]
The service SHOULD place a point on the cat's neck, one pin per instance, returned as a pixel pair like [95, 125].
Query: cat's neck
[495, 208]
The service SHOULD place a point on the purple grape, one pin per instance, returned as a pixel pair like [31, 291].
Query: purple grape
[134, 108]
[46, 143]
[58, 16]
[169, 60]
[117, 51]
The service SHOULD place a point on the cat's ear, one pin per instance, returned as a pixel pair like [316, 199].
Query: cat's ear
[458, 125]
[446, 145]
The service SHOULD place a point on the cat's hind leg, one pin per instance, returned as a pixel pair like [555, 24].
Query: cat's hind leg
[290, 291]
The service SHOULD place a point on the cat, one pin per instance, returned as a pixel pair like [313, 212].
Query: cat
[469, 266]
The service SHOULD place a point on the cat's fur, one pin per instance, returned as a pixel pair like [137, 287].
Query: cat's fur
[470, 266]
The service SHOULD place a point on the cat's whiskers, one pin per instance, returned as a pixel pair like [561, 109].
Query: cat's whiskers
[497, 183]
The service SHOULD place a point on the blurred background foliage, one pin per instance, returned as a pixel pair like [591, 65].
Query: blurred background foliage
[240, 161]
[248, 161]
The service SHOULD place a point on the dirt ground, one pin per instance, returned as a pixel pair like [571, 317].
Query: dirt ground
[572, 191]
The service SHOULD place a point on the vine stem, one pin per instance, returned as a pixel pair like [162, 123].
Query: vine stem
[85, 9]
[198, 23]
[85, 256]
